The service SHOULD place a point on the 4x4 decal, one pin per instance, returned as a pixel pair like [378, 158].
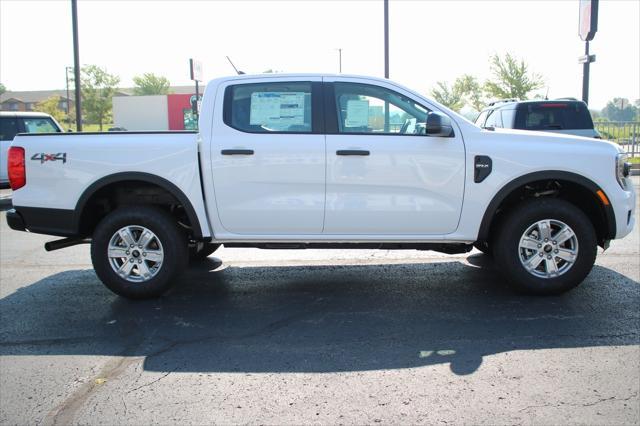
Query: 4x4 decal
[42, 157]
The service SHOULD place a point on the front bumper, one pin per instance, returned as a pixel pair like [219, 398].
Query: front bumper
[625, 210]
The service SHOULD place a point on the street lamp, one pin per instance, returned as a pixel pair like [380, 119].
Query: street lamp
[339, 49]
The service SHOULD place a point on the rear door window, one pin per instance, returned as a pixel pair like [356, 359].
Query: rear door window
[554, 116]
[8, 128]
[269, 107]
[39, 125]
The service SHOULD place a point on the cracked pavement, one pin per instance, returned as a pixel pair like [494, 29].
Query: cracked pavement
[316, 336]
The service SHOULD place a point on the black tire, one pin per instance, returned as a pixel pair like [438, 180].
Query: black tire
[507, 252]
[199, 253]
[165, 228]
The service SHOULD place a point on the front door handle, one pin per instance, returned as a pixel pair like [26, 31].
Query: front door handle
[352, 152]
[236, 152]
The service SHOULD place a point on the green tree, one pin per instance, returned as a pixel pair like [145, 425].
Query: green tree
[97, 88]
[447, 96]
[150, 84]
[2, 89]
[465, 91]
[470, 90]
[620, 109]
[50, 106]
[511, 78]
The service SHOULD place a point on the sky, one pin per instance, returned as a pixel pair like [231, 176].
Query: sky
[430, 40]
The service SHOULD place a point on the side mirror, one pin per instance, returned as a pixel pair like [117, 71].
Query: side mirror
[439, 125]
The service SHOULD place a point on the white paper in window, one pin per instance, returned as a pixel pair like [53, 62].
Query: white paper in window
[277, 109]
[357, 113]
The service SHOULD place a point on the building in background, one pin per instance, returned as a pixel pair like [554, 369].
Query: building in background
[157, 112]
[161, 112]
[27, 100]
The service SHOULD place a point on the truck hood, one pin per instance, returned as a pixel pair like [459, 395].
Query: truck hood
[548, 139]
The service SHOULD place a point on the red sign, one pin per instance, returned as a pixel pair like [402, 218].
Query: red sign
[588, 24]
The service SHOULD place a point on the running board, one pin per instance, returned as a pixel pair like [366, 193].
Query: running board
[451, 248]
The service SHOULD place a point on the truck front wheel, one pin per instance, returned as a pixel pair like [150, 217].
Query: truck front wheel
[137, 251]
[545, 246]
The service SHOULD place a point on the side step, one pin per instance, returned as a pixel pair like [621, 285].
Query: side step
[451, 248]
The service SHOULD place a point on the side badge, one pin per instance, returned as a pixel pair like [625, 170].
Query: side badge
[482, 168]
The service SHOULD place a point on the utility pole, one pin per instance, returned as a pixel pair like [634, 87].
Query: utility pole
[386, 38]
[66, 76]
[76, 64]
[340, 60]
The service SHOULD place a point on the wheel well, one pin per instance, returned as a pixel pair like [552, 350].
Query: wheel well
[579, 195]
[129, 192]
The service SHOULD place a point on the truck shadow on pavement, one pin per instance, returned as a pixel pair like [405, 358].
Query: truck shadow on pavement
[317, 318]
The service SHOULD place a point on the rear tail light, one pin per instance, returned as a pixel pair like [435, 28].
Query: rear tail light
[15, 167]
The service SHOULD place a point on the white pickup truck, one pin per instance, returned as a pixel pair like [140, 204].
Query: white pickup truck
[323, 161]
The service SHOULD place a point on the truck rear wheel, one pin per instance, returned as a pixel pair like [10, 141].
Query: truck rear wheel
[545, 246]
[137, 251]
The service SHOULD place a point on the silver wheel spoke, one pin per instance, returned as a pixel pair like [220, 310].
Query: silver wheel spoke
[154, 255]
[544, 226]
[127, 236]
[529, 243]
[533, 262]
[564, 234]
[567, 255]
[144, 270]
[117, 252]
[125, 269]
[552, 267]
[145, 238]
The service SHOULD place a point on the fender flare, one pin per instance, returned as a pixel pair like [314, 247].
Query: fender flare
[607, 210]
[142, 177]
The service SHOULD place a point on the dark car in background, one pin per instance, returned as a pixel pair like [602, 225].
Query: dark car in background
[564, 115]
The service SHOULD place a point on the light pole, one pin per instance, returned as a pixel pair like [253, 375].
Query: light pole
[386, 38]
[66, 76]
[76, 63]
[339, 49]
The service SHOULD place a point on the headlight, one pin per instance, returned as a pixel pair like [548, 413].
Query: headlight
[622, 170]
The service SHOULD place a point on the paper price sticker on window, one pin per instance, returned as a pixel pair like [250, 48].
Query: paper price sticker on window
[277, 109]
[357, 113]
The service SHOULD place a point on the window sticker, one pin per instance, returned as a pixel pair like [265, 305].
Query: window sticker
[277, 109]
[357, 113]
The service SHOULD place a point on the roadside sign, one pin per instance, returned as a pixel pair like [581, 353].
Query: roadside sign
[588, 24]
[195, 70]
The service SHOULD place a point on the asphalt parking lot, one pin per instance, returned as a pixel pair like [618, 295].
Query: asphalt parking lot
[290, 337]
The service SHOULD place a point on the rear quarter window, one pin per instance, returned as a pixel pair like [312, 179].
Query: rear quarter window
[554, 116]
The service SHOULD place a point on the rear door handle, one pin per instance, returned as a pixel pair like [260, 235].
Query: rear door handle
[236, 152]
[352, 152]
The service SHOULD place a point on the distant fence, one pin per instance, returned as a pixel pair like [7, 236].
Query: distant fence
[624, 133]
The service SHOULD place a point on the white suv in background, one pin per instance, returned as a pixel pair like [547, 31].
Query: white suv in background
[14, 122]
